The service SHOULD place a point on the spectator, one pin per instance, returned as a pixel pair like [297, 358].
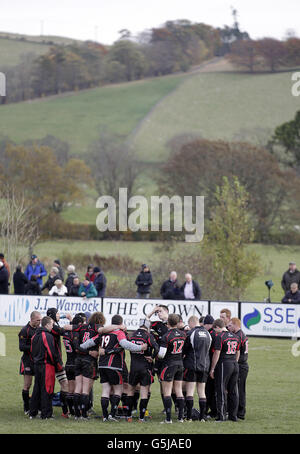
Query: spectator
[290, 276]
[53, 275]
[170, 289]
[293, 295]
[99, 282]
[90, 274]
[33, 287]
[144, 282]
[70, 278]
[3, 279]
[191, 289]
[59, 289]
[87, 289]
[20, 281]
[74, 290]
[37, 268]
[3, 260]
[61, 271]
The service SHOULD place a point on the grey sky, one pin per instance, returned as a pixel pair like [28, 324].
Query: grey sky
[102, 19]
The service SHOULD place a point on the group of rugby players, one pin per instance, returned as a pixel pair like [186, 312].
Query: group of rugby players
[209, 355]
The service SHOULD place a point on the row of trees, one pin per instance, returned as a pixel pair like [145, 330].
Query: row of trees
[265, 53]
[175, 46]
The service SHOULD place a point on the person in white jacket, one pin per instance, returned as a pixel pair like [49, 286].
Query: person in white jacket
[59, 289]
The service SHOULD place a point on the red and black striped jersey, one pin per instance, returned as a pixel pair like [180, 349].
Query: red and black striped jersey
[228, 344]
[159, 328]
[70, 340]
[85, 332]
[138, 360]
[25, 336]
[173, 341]
[244, 346]
[114, 356]
[43, 349]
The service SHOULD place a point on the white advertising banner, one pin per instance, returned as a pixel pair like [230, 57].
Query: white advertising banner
[132, 310]
[217, 306]
[15, 310]
[263, 319]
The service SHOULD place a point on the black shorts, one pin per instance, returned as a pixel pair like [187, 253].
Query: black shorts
[125, 373]
[158, 366]
[86, 367]
[141, 377]
[195, 376]
[70, 371]
[172, 372]
[26, 366]
[113, 377]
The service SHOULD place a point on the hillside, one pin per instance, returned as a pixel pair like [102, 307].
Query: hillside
[13, 46]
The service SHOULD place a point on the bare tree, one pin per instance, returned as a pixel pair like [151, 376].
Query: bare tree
[19, 224]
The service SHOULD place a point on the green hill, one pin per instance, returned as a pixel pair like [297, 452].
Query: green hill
[13, 46]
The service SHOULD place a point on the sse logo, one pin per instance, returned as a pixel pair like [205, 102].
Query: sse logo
[252, 319]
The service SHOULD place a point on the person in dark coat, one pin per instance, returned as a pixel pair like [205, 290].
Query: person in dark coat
[74, 290]
[53, 276]
[99, 282]
[144, 282]
[33, 287]
[20, 281]
[70, 278]
[170, 289]
[293, 295]
[191, 289]
[290, 276]
[3, 279]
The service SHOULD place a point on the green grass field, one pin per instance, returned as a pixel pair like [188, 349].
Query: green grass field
[272, 399]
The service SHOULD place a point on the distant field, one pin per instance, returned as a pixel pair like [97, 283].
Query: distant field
[217, 106]
[78, 118]
[274, 260]
[11, 51]
[272, 399]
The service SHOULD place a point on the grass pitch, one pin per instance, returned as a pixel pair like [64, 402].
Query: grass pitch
[272, 399]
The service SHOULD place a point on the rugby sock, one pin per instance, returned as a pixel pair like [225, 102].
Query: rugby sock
[136, 399]
[104, 406]
[63, 401]
[84, 404]
[168, 407]
[189, 401]
[124, 400]
[180, 405]
[70, 402]
[25, 397]
[143, 407]
[202, 407]
[91, 399]
[130, 405]
[174, 398]
[114, 405]
[77, 406]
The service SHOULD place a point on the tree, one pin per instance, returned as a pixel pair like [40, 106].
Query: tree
[128, 54]
[19, 224]
[230, 230]
[113, 165]
[272, 51]
[198, 166]
[288, 136]
[48, 185]
[244, 53]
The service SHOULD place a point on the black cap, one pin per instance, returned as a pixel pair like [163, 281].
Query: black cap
[33, 256]
[96, 269]
[208, 320]
[56, 261]
[144, 266]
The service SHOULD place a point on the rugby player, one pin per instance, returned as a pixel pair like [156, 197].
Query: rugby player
[141, 367]
[234, 326]
[196, 366]
[26, 365]
[170, 352]
[224, 370]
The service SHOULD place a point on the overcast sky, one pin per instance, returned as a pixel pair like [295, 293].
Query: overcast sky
[102, 19]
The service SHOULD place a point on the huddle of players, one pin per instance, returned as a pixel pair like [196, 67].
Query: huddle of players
[204, 353]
